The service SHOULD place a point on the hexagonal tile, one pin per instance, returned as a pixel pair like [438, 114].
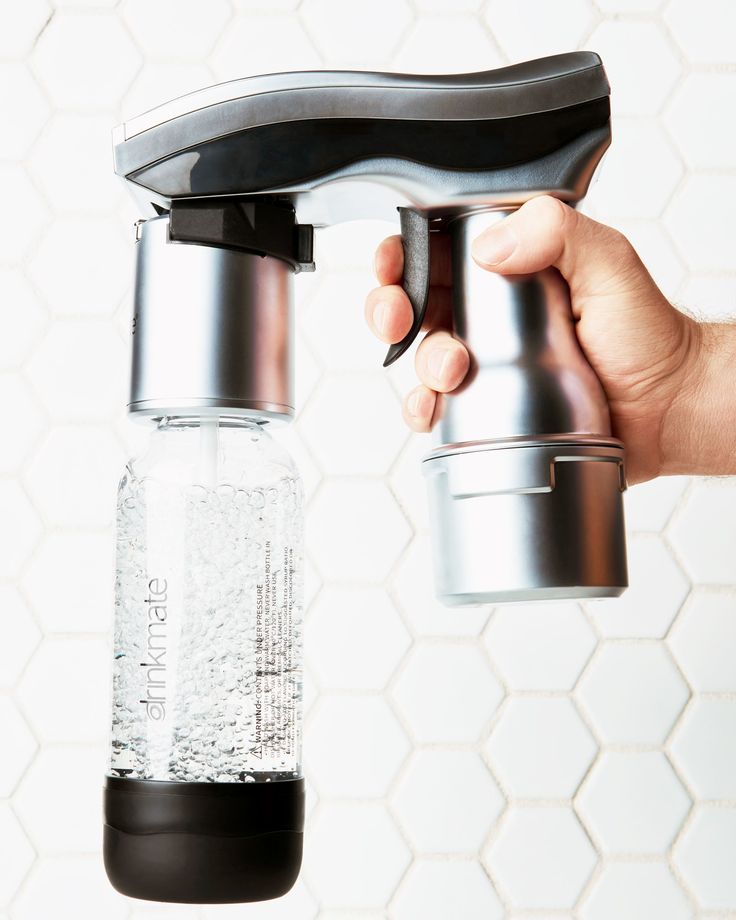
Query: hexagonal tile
[345, 40]
[541, 858]
[57, 823]
[350, 915]
[332, 323]
[136, 434]
[542, 646]
[104, 261]
[438, 890]
[370, 431]
[356, 530]
[712, 297]
[466, 46]
[310, 691]
[23, 418]
[707, 37]
[160, 81]
[298, 904]
[17, 852]
[73, 476]
[69, 582]
[533, 28]
[704, 531]
[307, 373]
[312, 584]
[704, 748]
[53, 890]
[643, 708]
[633, 803]
[637, 891]
[20, 311]
[704, 856]
[156, 910]
[343, 619]
[91, 4]
[413, 588]
[629, 6]
[700, 130]
[446, 801]
[80, 371]
[407, 481]
[351, 246]
[447, 6]
[266, 6]
[657, 588]
[640, 61]
[403, 375]
[20, 199]
[19, 635]
[643, 192]
[197, 29]
[21, 528]
[650, 505]
[704, 641]
[446, 692]
[275, 43]
[355, 856]
[72, 164]
[19, 746]
[540, 748]
[371, 747]
[60, 689]
[21, 29]
[76, 44]
[690, 210]
[23, 106]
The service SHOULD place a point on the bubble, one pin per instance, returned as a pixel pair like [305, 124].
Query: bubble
[224, 723]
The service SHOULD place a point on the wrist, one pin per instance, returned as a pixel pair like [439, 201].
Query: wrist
[699, 429]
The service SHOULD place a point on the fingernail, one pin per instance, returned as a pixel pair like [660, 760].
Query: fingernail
[437, 361]
[415, 403]
[379, 316]
[494, 246]
[412, 404]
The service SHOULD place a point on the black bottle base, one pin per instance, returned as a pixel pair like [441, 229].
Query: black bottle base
[203, 843]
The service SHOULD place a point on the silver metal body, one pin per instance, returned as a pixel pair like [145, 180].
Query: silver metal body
[525, 486]
[212, 331]
[525, 482]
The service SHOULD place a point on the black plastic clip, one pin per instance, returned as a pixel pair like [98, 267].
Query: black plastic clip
[258, 225]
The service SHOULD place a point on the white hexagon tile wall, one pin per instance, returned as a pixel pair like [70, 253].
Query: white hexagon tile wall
[523, 762]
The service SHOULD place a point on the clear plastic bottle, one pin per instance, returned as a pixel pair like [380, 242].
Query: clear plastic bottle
[207, 675]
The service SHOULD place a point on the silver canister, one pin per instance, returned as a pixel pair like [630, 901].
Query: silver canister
[526, 483]
[212, 330]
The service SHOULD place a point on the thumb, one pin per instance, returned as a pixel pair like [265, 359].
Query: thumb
[544, 232]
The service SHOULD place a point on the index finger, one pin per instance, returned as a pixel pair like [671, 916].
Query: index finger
[390, 260]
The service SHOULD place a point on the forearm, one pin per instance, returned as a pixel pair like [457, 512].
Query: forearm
[698, 434]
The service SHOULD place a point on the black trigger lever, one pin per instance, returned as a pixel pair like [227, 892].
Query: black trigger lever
[415, 238]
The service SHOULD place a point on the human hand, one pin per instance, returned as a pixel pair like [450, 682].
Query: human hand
[655, 363]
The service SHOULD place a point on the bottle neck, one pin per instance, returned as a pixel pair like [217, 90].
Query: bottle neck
[178, 422]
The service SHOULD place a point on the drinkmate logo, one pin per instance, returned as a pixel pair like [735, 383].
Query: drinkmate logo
[156, 638]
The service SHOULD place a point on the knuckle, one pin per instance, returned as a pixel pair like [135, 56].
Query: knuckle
[549, 210]
[623, 250]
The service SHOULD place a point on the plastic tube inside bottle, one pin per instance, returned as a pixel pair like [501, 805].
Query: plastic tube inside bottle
[208, 450]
